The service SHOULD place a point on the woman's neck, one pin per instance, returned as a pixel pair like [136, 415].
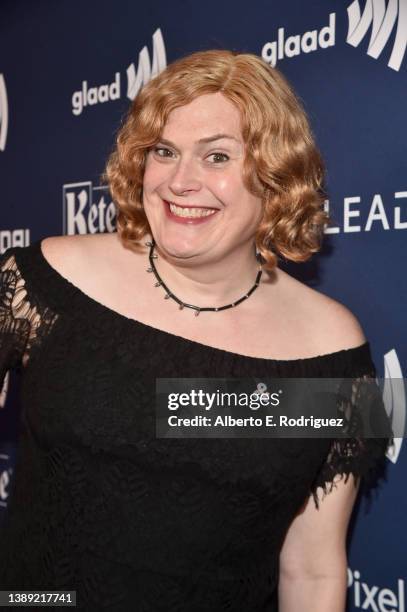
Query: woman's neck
[211, 283]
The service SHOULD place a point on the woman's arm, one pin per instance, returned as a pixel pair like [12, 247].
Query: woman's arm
[313, 561]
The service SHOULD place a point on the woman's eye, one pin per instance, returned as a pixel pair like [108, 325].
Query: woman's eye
[164, 152]
[158, 149]
[219, 155]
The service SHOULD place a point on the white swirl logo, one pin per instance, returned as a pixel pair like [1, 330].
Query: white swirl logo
[145, 71]
[394, 399]
[383, 20]
[3, 113]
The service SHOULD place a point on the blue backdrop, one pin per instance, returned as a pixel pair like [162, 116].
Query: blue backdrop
[68, 70]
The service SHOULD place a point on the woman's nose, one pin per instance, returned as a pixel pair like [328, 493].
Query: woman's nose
[185, 177]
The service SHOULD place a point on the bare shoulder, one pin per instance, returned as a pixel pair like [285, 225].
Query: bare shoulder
[332, 324]
[70, 255]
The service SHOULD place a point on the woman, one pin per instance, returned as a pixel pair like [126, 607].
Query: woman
[214, 159]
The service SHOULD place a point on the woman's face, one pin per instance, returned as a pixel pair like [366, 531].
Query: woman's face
[193, 192]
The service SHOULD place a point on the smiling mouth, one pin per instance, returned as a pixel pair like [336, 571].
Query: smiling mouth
[190, 212]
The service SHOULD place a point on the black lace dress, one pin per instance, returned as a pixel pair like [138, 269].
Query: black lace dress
[100, 505]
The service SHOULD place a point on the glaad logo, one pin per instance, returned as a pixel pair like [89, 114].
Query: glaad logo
[81, 215]
[394, 398]
[383, 21]
[89, 96]
[3, 113]
[294, 45]
[374, 598]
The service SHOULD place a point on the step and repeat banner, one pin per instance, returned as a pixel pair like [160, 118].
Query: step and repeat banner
[69, 70]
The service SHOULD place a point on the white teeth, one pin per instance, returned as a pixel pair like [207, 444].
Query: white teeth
[190, 212]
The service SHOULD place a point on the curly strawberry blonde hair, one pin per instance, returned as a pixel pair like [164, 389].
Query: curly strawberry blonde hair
[282, 164]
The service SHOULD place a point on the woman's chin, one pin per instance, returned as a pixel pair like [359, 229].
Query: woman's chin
[181, 248]
[179, 252]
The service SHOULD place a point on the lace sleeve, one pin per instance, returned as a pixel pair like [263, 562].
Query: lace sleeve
[363, 457]
[15, 315]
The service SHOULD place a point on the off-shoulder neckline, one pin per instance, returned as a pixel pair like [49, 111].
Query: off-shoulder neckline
[114, 314]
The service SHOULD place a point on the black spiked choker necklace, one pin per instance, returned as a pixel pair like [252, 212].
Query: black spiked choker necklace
[198, 309]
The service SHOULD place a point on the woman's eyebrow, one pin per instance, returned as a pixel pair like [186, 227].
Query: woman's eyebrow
[202, 140]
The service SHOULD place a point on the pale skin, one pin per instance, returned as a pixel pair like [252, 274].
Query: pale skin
[212, 264]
